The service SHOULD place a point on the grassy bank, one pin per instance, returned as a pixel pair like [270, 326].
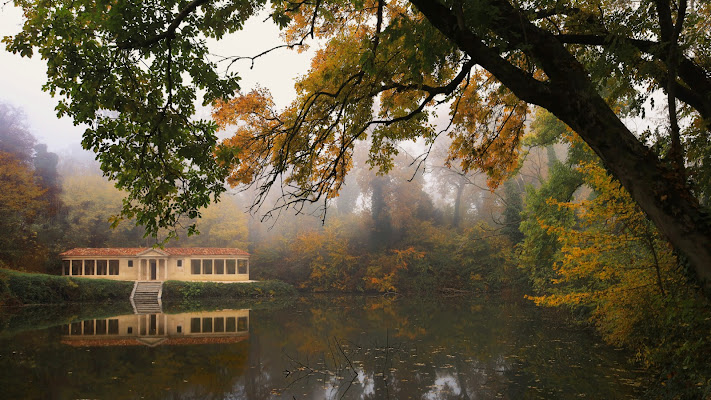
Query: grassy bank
[19, 288]
[180, 290]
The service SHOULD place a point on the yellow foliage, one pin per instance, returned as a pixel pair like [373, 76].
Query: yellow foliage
[20, 193]
[611, 260]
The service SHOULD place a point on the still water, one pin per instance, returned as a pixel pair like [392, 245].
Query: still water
[314, 347]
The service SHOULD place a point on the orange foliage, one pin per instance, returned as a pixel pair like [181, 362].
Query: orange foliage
[382, 272]
[489, 122]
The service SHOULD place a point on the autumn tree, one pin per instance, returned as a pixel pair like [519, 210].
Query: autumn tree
[20, 202]
[29, 198]
[131, 71]
[90, 201]
[612, 264]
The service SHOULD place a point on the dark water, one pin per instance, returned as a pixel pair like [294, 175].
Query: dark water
[316, 347]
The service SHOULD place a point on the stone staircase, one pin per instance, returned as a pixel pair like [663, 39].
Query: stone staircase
[146, 297]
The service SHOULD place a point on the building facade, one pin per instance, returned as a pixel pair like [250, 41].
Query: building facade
[146, 264]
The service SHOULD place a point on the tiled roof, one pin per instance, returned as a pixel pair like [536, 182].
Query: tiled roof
[204, 251]
[134, 251]
[105, 251]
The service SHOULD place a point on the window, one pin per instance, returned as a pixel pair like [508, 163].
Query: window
[242, 267]
[241, 324]
[195, 325]
[76, 267]
[180, 328]
[129, 330]
[113, 326]
[101, 327]
[130, 263]
[66, 265]
[89, 327]
[114, 268]
[195, 266]
[231, 266]
[230, 324]
[100, 267]
[219, 324]
[89, 267]
[207, 266]
[206, 325]
[219, 266]
[180, 263]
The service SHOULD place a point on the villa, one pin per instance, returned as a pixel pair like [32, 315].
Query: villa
[145, 263]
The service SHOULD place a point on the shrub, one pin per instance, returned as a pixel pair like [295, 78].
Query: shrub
[180, 290]
[29, 288]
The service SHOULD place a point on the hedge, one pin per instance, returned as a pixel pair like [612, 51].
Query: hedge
[20, 288]
[181, 290]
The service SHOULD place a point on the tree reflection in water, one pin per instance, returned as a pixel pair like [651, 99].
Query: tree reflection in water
[352, 347]
[370, 347]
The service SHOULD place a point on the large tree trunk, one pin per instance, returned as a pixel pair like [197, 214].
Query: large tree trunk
[570, 95]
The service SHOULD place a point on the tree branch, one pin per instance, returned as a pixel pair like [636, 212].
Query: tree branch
[169, 32]
[693, 76]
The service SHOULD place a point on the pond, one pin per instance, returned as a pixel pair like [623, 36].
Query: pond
[311, 347]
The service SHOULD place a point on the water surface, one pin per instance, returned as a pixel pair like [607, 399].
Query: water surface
[315, 347]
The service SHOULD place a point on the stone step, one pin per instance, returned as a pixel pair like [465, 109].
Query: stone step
[145, 297]
[151, 311]
[147, 292]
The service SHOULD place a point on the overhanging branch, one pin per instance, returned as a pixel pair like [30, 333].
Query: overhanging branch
[169, 32]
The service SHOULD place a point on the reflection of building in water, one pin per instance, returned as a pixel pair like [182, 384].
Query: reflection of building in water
[224, 326]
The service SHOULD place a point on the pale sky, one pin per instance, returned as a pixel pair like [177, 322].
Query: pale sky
[21, 79]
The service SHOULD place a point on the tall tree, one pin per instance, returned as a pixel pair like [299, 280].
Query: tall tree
[21, 199]
[512, 211]
[15, 136]
[45, 165]
[122, 67]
